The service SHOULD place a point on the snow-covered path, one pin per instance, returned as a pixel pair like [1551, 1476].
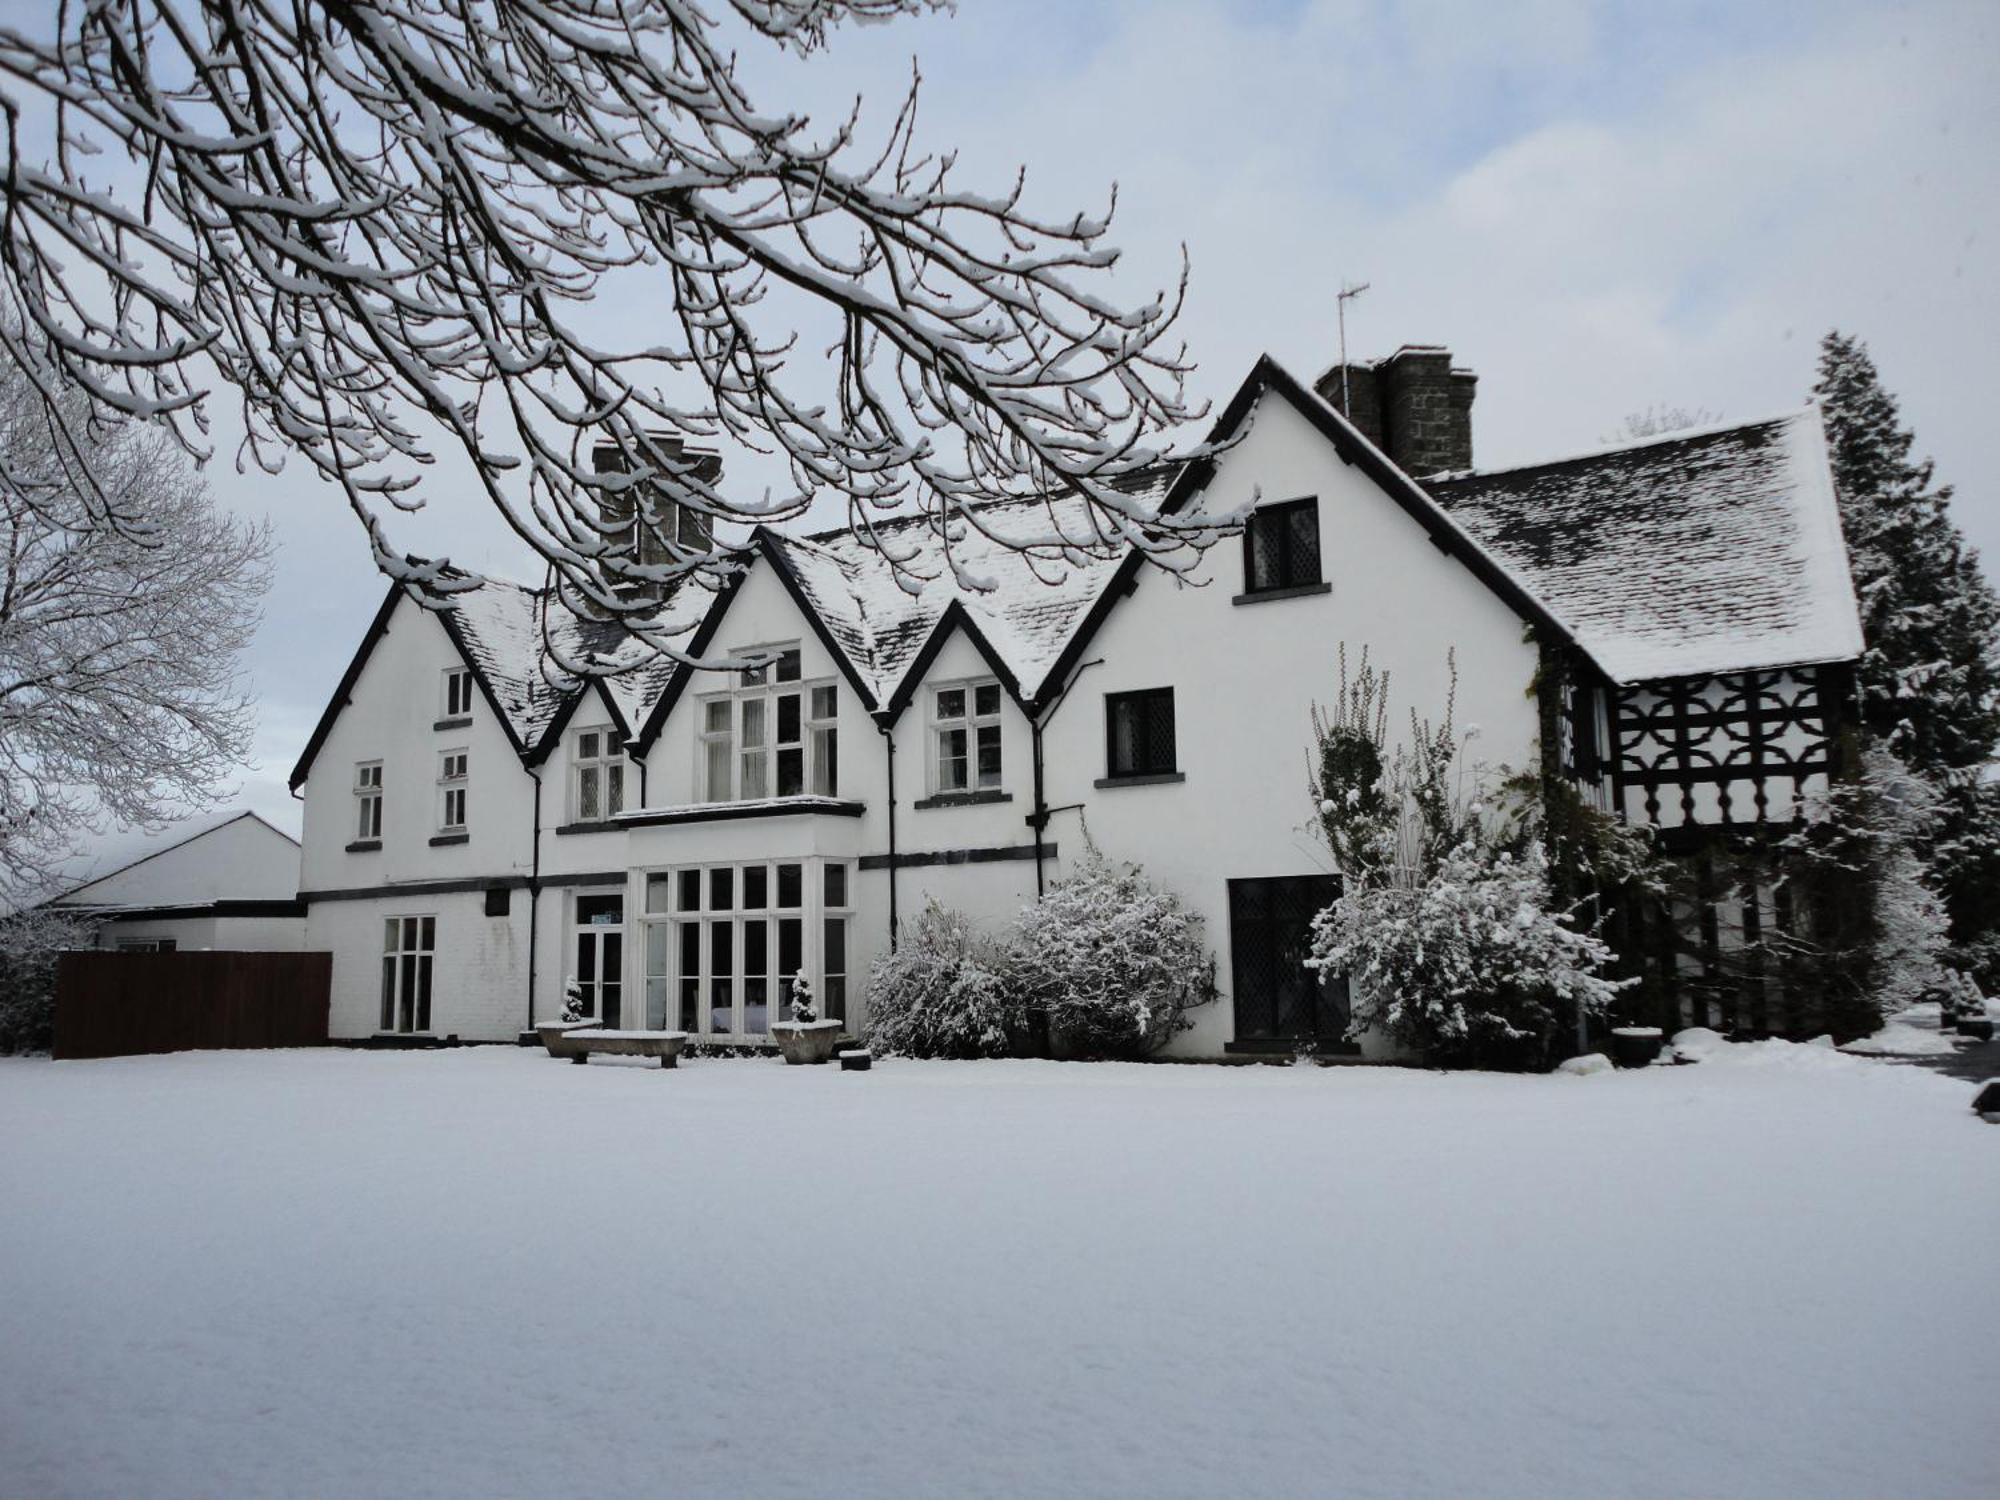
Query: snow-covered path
[487, 1273]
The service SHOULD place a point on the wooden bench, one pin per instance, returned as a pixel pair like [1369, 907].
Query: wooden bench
[665, 1045]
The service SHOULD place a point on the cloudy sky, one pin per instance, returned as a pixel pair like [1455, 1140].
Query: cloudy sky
[1598, 207]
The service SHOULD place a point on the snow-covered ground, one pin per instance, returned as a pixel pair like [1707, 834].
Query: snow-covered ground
[486, 1272]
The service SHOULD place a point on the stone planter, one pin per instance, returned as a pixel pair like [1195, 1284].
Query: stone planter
[552, 1034]
[1636, 1046]
[806, 1041]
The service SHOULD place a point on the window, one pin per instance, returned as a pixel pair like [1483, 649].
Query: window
[965, 730]
[598, 775]
[775, 736]
[408, 946]
[724, 942]
[457, 693]
[451, 785]
[147, 945]
[368, 800]
[1281, 547]
[1139, 733]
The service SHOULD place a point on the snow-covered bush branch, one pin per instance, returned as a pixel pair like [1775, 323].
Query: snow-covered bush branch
[121, 615]
[1448, 927]
[1114, 961]
[945, 991]
[31, 940]
[384, 226]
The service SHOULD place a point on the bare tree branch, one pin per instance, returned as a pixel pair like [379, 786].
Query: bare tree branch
[388, 224]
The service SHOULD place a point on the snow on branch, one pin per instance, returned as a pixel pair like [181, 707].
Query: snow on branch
[523, 228]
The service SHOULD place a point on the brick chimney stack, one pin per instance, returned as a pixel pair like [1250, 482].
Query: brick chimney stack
[1413, 405]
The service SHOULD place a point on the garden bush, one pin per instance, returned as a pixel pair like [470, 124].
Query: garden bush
[945, 991]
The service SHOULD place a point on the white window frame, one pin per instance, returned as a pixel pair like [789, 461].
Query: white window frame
[736, 733]
[971, 722]
[599, 753]
[368, 800]
[666, 924]
[453, 766]
[458, 691]
[409, 989]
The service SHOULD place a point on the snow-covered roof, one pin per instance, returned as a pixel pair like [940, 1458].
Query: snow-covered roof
[1698, 552]
[501, 624]
[1702, 551]
[1026, 605]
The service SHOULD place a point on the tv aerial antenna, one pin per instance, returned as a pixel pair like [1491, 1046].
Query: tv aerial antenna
[1341, 298]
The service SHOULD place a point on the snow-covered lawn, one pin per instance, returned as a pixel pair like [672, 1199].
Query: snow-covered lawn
[487, 1273]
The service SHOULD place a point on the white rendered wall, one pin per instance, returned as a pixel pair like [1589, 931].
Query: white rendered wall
[1245, 678]
[242, 859]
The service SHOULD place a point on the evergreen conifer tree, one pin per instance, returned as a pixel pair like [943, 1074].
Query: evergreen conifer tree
[1929, 684]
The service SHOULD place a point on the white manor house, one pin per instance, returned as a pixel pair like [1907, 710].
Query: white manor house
[1670, 624]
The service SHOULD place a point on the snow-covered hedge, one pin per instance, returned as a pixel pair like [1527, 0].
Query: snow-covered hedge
[1106, 964]
[30, 942]
[945, 991]
[1468, 962]
[1114, 961]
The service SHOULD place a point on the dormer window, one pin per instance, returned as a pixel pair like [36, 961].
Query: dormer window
[458, 693]
[965, 731]
[777, 735]
[1281, 548]
[598, 774]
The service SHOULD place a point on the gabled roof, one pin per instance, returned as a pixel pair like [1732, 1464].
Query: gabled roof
[69, 896]
[1696, 552]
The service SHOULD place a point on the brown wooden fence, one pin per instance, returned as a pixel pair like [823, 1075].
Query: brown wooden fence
[117, 1004]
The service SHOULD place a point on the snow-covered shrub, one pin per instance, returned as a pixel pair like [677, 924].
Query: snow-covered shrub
[803, 1009]
[1468, 962]
[30, 942]
[573, 1000]
[946, 991]
[1874, 930]
[1451, 930]
[1114, 961]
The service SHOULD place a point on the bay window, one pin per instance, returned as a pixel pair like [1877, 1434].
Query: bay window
[723, 944]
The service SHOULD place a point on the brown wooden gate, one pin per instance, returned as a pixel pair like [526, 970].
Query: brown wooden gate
[118, 1004]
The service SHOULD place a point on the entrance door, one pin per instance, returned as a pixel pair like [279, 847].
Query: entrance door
[1279, 999]
[600, 956]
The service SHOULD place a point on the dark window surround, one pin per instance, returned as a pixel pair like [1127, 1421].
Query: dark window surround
[458, 723]
[1145, 701]
[439, 840]
[1159, 778]
[499, 900]
[364, 846]
[963, 799]
[600, 826]
[1297, 565]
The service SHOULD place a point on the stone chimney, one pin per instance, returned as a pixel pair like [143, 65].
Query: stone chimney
[691, 529]
[1413, 405]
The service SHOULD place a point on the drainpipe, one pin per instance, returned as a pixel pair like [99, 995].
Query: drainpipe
[534, 894]
[889, 742]
[1039, 818]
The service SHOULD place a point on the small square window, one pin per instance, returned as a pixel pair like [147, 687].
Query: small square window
[499, 900]
[690, 893]
[836, 886]
[789, 665]
[951, 703]
[1281, 547]
[721, 889]
[791, 886]
[756, 887]
[1139, 733]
